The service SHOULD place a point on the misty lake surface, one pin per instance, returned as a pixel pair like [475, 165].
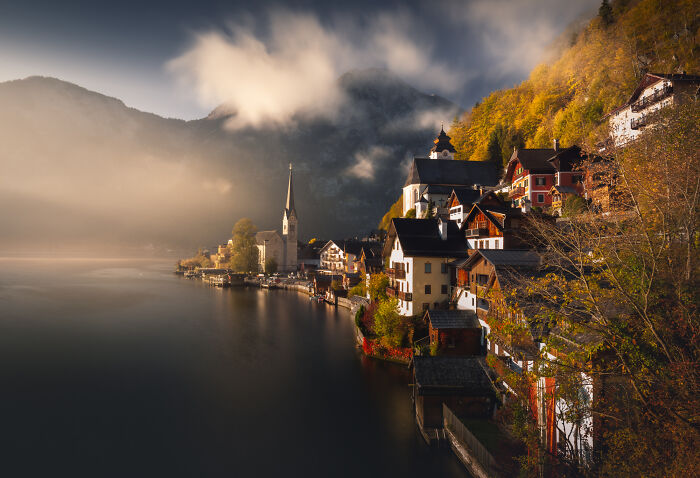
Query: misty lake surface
[120, 368]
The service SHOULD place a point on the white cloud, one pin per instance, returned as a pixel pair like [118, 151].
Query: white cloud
[365, 162]
[292, 69]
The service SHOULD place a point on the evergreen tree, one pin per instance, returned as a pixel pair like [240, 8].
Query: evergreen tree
[605, 13]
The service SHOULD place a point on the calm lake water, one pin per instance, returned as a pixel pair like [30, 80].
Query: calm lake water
[120, 368]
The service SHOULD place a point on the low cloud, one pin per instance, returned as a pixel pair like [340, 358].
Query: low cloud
[287, 65]
[517, 33]
[366, 162]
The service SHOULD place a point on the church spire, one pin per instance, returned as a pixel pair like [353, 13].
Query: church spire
[289, 208]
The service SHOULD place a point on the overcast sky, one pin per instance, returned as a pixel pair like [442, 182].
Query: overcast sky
[266, 59]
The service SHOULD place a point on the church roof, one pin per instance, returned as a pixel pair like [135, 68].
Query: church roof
[262, 236]
[442, 142]
[289, 207]
[449, 172]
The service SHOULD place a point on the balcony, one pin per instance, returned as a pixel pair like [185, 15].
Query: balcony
[477, 232]
[407, 296]
[391, 291]
[516, 192]
[395, 273]
[651, 99]
[636, 123]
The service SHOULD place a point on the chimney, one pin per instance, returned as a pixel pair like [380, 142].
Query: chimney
[556, 144]
[442, 228]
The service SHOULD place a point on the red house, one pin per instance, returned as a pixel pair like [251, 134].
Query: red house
[533, 172]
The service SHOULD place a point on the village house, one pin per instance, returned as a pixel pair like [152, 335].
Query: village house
[221, 258]
[418, 251]
[340, 256]
[533, 172]
[454, 332]
[491, 276]
[431, 180]
[655, 91]
[461, 200]
[494, 226]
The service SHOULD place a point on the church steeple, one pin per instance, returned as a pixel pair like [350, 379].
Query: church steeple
[289, 208]
[289, 229]
[443, 148]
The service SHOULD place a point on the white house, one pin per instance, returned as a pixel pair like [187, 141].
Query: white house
[654, 92]
[419, 251]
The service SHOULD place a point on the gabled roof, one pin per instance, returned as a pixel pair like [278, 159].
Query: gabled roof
[262, 236]
[347, 246]
[465, 195]
[421, 237]
[543, 160]
[651, 78]
[449, 172]
[515, 258]
[453, 319]
[491, 213]
[466, 375]
[564, 189]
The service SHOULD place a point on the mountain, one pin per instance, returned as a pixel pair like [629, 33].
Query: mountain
[83, 171]
[597, 68]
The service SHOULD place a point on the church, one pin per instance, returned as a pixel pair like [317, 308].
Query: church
[433, 179]
[283, 249]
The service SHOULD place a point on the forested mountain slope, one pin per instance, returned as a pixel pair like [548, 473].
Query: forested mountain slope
[597, 69]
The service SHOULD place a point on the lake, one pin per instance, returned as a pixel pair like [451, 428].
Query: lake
[120, 368]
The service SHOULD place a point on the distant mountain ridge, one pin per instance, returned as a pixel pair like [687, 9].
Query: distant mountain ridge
[81, 168]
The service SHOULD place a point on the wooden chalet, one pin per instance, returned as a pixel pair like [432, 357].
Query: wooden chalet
[488, 226]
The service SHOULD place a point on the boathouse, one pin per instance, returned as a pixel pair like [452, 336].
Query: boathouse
[454, 332]
[461, 383]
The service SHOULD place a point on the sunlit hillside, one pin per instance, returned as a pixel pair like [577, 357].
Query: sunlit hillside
[599, 66]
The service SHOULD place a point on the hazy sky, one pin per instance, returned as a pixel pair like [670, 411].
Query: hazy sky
[182, 58]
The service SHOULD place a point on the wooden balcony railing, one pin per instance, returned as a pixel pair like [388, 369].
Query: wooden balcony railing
[395, 273]
[651, 99]
[477, 232]
[636, 123]
[391, 291]
[519, 191]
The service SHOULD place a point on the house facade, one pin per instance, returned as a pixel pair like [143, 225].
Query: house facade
[533, 172]
[418, 251]
[655, 91]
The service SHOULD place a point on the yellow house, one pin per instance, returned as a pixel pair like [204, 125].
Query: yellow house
[419, 251]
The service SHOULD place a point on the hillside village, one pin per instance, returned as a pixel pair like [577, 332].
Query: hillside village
[470, 287]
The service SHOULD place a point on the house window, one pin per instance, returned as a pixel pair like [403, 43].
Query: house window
[540, 181]
[425, 306]
[427, 267]
[407, 268]
[427, 289]
[443, 268]
[525, 183]
[540, 198]
[443, 289]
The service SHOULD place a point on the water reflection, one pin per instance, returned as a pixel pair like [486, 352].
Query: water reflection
[122, 369]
